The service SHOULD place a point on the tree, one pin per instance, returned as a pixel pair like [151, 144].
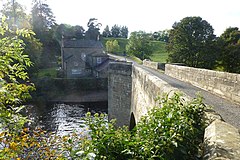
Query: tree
[112, 46]
[139, 45]
[79, 32]
[15, 15]
[192, 42]
[161, 35]
[124, 32]
[93, 29]
[230, 55]
[14, 84]
[42, 19]
[43, 22]
[106, 32]
[116, 31]
[16, 18]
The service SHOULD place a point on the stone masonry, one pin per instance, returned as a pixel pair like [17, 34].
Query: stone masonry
[226, 85]
[133, 91]
[119, 92]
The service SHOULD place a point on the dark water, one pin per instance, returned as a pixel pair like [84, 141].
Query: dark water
[62, 118]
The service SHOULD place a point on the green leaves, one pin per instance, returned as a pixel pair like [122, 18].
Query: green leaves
[139, 45]
[192, 42]
[13, 67]
[112, 46]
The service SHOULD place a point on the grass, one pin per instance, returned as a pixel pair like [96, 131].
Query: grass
[159, 52]
[159, 49]
[49, 72]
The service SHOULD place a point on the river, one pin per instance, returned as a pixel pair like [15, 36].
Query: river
[62, 118]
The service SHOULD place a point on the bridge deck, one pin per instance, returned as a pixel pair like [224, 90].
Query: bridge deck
[229, 111]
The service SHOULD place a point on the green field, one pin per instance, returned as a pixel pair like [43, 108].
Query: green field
[159, 52]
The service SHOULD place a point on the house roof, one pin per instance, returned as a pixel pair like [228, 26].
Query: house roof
[99, 54]
[67, 43]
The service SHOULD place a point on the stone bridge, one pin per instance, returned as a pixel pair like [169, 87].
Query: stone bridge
[132, 90]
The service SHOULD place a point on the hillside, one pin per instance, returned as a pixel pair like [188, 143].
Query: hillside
[159, 51]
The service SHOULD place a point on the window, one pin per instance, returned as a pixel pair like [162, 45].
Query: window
[99, 60]
[76, 71]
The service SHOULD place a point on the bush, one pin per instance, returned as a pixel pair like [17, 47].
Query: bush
[173, 130]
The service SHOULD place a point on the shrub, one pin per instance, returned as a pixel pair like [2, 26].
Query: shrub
[172, 130]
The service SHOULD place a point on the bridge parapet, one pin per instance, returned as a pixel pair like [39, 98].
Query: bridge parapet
[132, 92]
[225, 84]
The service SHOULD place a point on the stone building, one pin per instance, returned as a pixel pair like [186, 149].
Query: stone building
[83, 58]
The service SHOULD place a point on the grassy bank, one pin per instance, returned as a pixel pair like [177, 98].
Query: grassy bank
[159, 48]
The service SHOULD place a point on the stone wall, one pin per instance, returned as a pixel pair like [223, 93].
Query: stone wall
[133, 92]
[119, 92]
[154, 65]
[146, 89]
[224, 84]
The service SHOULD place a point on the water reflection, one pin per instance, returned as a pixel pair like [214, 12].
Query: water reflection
[63, 118]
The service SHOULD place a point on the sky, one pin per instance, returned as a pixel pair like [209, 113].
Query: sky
[145, 15]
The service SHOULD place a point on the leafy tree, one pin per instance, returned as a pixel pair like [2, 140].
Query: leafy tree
[161, 35]
[42, 19]
[116, 30]
[14, 84]
[16, 18]
[79, 32]
[192, 42]
[230, 55]
[112, 46]
[124, 32]
[93, 29]
[15, 14]
[106, 32]
[139, 45]
[43, 22]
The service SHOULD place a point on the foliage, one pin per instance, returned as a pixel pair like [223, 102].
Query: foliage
[28, 144]
[43, 22]
[124, 32]
[116, 31]
[42, 19]
[161, 35]
[121, 41]
[192, 42]
[15, 15]
[139, 45]
[69, 32]
[106, 32]
[17, 18]
[159, 53]
[14, 84]
[230, 55]
[93, 29]
[112, 46]
[173, 131]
